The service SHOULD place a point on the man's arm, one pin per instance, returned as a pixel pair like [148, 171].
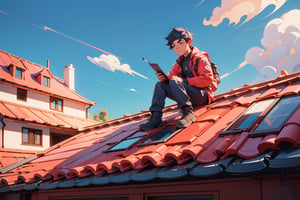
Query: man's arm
[204, 77]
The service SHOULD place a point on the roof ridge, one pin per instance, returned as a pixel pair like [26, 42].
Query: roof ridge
[260, 85]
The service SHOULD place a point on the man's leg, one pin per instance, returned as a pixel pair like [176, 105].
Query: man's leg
[186, 96]
[161, 91]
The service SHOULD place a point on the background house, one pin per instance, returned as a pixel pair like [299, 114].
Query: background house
[245, 145]
[38, 109]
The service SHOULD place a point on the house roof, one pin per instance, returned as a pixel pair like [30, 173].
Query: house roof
[11, 156]
[27, 114]
[201, 150]
[31, 71]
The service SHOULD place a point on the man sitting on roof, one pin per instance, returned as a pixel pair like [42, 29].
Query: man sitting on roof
[189, 81]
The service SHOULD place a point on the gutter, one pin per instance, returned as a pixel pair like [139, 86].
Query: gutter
[3, 127]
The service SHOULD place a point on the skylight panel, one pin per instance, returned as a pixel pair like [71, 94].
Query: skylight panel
[161, 135]
[279, 114]
[247, 119]
[127, 142]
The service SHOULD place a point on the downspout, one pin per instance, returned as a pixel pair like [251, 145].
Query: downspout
[87, 111]
[2, 133]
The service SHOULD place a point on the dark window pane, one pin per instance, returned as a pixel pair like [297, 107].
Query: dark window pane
[248, 118]
[21, 94]
[52, 104]
[124, 144]
[38, 136]
[161, 135]
[46, 81]
[19, 73]
[59, 105]
[279, 114]
[25, 135]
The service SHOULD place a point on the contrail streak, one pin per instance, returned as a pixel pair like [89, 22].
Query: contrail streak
[46, 28]
[199, 4]
[239, 67]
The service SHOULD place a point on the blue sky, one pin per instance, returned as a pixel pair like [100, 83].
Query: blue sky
[65, 31]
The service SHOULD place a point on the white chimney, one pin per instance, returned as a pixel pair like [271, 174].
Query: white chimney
[69, 76]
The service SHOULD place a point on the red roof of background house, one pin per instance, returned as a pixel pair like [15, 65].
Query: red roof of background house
[197, 151]
[57, 87]
[11, 156]
[16, 112]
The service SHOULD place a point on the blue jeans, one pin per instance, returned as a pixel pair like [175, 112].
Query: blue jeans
[185, 95]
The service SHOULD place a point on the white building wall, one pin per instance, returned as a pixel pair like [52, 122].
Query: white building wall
[41, 101]
[74, 109]
[13, 136]
[8, 93]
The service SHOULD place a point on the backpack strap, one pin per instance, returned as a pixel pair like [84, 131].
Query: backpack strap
[215, 70]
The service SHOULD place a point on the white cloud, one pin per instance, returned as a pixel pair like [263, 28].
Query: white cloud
[112, 63]
[281, 47]
[234, 10]
[132, 90]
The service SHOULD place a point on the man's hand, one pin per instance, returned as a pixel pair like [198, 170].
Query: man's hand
[176, 78]
[161, 77]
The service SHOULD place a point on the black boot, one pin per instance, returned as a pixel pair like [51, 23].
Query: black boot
[154, 122]
[187, 119]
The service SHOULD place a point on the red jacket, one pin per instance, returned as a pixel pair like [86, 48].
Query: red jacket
[203, 78]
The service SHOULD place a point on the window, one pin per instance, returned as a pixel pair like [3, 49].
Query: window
[21, 94]
[56, 138]
[46, 81]
[19, 73]
[161, 135]
[129, 141]
[279, 114]
[31, 136]
[247, 119]
[56, 104]
[135, 138]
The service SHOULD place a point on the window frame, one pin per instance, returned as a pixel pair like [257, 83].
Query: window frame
[130, 137]
[21, 94]
[143, 138]
[255, 132]
[228, 129]
[56, 100]
[32, 133]
[21, 71]
[157, 132]
[47, 81]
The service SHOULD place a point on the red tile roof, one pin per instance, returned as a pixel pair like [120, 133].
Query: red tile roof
[199, 150]
[16, 112]
[10, 156]
[32, 70]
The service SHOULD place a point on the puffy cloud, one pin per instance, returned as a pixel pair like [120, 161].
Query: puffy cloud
[281, 47]
[112, 63]
[234, 10]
